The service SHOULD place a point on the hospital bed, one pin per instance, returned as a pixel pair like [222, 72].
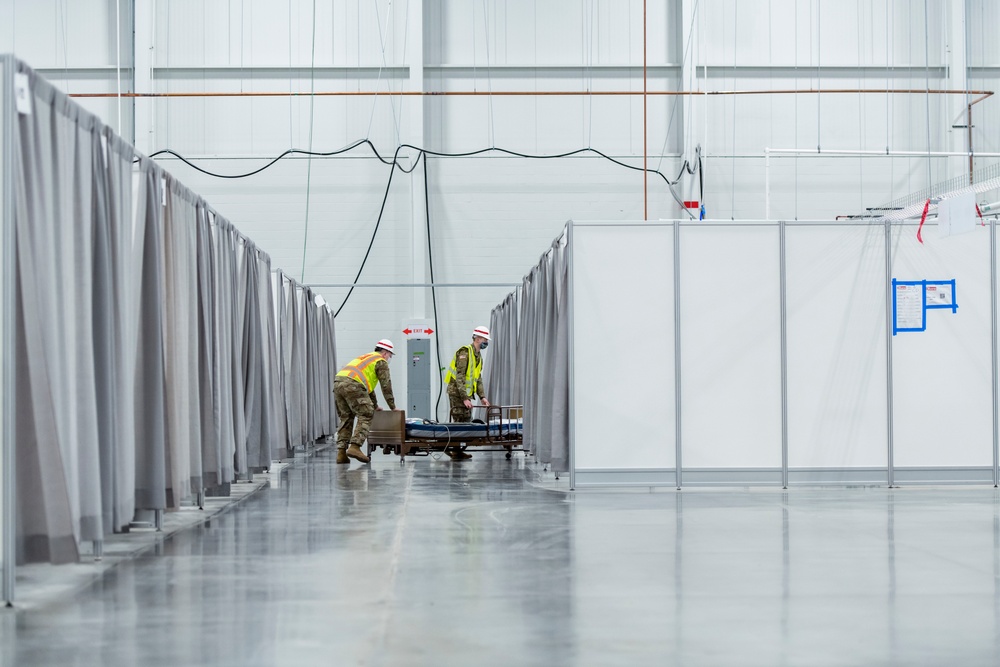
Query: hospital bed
[395, 434]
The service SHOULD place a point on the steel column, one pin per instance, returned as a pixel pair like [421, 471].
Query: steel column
[8, 117]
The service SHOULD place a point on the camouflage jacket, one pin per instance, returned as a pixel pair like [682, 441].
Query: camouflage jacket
[457, 385]
[384, 381]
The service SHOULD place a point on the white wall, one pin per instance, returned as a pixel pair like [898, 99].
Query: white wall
[492, 215]
[731, 408]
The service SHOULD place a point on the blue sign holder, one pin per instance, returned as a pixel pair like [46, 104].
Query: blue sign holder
[953, 306]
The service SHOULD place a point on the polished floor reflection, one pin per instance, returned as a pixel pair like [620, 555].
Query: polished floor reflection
[440, 563]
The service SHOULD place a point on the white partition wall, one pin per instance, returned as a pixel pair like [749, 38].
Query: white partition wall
[836, 353]
[621, 323]
[731, 352]
[942, 379]
[770, 353]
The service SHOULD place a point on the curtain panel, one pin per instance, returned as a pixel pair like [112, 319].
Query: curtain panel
[157, 353]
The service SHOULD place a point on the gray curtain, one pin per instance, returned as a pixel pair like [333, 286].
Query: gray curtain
[208, 378]
[56, 230]
[156, 351]
[531, 366]
[117, 363]
[150, 383]
[180, 335]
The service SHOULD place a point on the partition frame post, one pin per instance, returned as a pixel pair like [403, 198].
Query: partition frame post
[783, 280]
[570, 291]
[890, 472]
[677, 352]
[8, 117]
[993, 351]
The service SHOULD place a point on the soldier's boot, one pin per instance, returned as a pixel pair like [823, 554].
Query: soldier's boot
[342, 455]
[457, 454]
[355, 453]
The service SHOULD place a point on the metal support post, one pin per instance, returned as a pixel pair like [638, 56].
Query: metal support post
[993, 329]
[570, 295]
[767, 183]
[784, 354]
[8, 116]
[677, 351]
[890, 473]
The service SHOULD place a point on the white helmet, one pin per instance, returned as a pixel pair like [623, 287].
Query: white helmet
[385, 344]
[482, 332]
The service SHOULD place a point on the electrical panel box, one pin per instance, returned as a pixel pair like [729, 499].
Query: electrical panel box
[418, 378]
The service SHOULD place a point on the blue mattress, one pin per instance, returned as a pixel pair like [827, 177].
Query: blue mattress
[423, 429]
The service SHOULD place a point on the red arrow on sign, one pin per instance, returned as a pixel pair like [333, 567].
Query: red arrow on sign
[407, 331]
[428, 331]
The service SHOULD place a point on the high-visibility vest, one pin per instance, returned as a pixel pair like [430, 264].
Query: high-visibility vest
[362, 369]
[473, 370]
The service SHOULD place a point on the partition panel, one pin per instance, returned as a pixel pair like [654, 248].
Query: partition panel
[623, 397]
[731, 346]
[836, 351]
[942, 377]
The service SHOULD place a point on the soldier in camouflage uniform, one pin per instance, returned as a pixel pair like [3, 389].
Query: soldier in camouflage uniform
[354, 390]
[465, 382]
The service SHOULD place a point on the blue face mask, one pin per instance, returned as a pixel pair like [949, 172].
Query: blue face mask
[485, 345]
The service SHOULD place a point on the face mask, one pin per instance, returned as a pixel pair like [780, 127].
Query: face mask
[485, 345]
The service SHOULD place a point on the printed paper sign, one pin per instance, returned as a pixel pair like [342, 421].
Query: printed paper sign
[909, 306]
[939, 295]
[22, 94]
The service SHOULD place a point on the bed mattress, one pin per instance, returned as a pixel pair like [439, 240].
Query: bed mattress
[421, 428]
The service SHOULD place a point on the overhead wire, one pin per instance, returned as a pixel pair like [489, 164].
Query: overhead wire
[312, 124]
[736, 32]
[430, 263]
[491, 127]
[423, 153]
[927, 79]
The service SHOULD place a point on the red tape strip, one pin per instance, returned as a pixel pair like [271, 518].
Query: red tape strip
[927, 205]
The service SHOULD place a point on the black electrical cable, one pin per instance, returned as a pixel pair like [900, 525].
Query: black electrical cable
[423, 153]
[378, 222]
[430, 262]
[685, 167]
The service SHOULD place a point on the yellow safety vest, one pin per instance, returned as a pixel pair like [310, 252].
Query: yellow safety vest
[473, 371]
[362, 369]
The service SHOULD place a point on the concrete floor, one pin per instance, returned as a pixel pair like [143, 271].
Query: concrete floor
[478, 563]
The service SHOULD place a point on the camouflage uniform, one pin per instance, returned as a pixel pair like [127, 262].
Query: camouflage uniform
[353, 401]
[456, 387]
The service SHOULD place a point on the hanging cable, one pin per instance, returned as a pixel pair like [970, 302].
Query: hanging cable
[686, 167]
[392, 98]
[927, 79]
[423, 153]
[736, 24]
[491, 127]
[378, 222]
[430, 262]
[312, 123]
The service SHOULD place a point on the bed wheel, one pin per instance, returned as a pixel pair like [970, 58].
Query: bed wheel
[508, 456]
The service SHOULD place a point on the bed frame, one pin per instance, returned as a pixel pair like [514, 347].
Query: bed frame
[388, 432]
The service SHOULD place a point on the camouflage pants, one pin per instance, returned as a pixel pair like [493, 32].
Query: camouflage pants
[459, 413]
[352, 401]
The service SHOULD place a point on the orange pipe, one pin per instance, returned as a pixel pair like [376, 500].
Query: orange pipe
[557, 93]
